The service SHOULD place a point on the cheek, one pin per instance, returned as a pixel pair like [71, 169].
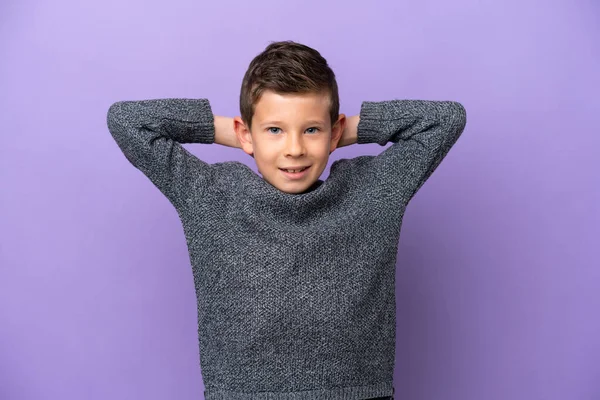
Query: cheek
[320, 150]
[265, 157]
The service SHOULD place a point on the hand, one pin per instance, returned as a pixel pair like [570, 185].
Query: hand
[350, 133]
[224, 132]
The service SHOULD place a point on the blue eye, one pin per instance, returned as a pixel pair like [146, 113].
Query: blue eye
[271, 130]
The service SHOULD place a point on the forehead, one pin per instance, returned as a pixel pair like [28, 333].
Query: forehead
[291, 106]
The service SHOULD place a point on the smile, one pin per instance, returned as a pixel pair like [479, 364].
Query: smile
[295, 173]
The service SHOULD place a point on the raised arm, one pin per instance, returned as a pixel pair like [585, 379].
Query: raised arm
[422, 133]
[150, 133]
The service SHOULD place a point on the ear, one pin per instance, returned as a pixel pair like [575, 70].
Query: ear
[337, 131]
[244, 135]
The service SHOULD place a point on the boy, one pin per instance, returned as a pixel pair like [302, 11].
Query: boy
[294, 275]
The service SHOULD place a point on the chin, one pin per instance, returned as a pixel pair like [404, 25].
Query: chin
[295, 188]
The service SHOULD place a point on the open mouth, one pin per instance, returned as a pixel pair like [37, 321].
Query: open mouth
[294, 170]
[295, 173]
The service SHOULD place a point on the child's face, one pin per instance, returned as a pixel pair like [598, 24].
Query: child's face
[291, 131]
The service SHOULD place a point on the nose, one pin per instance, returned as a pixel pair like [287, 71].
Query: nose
[294, 145]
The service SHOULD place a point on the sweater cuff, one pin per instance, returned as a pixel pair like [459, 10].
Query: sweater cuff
[372, 122]
[204, 124]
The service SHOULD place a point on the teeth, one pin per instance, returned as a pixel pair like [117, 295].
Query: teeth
[294, 170]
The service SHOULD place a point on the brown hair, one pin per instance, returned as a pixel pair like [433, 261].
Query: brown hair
[287, 67]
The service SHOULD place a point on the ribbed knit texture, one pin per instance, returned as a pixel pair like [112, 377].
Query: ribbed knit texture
[296, 292]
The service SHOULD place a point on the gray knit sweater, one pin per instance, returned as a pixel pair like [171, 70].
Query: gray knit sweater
[296, 292]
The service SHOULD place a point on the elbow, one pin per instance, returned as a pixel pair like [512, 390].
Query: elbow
[114, 116]
[458, 116]
[461, 110]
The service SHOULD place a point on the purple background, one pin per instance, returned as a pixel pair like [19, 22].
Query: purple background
[498, 270]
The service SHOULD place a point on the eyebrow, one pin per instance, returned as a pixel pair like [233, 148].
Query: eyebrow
[312, 121]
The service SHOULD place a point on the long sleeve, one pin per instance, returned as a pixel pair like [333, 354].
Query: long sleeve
[422, 133]
[150, 133]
